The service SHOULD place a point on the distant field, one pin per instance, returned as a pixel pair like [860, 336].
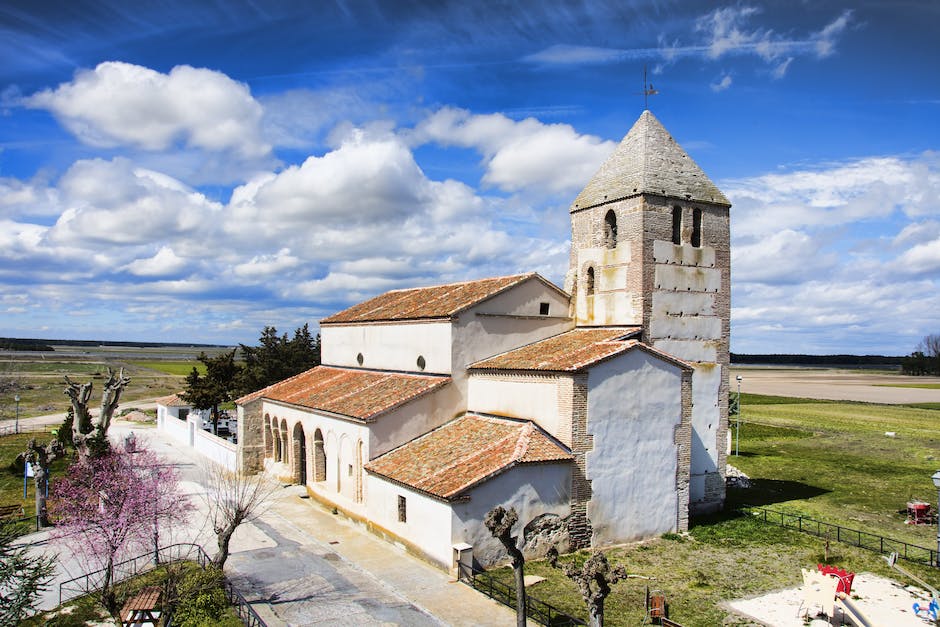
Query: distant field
[177, 368]
[916, 386]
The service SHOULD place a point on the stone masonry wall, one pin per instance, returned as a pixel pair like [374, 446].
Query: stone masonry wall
[579, 527]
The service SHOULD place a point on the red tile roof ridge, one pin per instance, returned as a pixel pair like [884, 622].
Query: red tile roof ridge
[467, 282]
[522, 445]
[251, 396]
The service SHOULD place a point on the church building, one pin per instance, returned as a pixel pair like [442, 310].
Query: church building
[598, 411]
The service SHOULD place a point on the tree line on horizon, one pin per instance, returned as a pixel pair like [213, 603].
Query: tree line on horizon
[926, 359]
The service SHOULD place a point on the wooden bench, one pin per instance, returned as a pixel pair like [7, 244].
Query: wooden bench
[142, 608]
[9, 511]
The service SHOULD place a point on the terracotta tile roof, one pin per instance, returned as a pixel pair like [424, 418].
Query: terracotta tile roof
[439, 301]
[568, 352]
[173, 400]
[362, 394]
[464, 452]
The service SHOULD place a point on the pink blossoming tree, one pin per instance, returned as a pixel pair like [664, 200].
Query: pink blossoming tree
[108, 506]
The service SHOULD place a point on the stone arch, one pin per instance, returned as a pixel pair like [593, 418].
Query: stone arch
[332, 459]
[298, 466]
[319, 457]
[359, 471]
[268, 440]
[275, 441]
[284, 443]
[610, 229]
[345, 468]
[589, 281]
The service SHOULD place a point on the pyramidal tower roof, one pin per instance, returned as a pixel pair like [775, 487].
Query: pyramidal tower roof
[648, 161]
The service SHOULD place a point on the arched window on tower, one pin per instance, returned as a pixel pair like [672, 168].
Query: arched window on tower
[610, 229]
[697, 227]
[677, 225]
[590, 282]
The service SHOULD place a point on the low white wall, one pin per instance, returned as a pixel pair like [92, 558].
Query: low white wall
[175, 428]
[216, 449]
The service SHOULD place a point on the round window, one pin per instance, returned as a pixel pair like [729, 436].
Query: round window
[421, 362]
[359, 359]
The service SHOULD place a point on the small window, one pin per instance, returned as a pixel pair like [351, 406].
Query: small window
[590, 281]
[543, 309]
[610, 229]
[677, 225]
[402, 509]
[183, 415]
[359, 359]
[350, 470]
[422, 364]
[697, 227]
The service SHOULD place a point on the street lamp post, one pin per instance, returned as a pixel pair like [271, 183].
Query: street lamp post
[16, 426]
[737, 431]
[936, 482]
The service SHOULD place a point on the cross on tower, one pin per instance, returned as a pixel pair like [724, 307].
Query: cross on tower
[648, 90]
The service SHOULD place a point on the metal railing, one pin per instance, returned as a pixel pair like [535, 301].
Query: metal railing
[130, 568]
[539, 611]
[862, 539]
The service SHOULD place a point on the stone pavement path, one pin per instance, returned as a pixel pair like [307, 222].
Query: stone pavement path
[301, 565]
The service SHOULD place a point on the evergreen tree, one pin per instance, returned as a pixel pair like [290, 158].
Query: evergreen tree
[218, 385]
[277, 358]
[22, 577]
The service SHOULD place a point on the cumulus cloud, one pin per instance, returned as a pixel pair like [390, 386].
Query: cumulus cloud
[519, 155]
[121, 104]
[165, 262]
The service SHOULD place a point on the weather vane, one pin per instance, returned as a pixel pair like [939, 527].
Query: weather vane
[648, 90]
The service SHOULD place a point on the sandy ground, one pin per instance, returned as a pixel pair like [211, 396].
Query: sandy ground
[882, 602]
[837, 385]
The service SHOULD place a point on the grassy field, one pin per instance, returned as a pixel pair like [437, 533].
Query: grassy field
[40, 382]
[921, 386]
[826, 459]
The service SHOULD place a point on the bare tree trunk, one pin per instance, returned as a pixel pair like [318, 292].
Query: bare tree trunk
[593, 580]
[500, 522]
[41, 458]
[224, 538]
[91, 436]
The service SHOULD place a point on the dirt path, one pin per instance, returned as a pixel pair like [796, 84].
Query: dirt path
[837, 385]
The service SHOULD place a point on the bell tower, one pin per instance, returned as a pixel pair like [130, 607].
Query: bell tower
[650, 247]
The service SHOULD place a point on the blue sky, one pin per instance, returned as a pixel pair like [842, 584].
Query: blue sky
[196, 171]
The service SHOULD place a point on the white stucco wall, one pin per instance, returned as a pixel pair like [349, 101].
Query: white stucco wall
[634, 407]
[532, 489]
[530, 397]
[388, 346]
[428, 524]
[413, 419]
[215, 449]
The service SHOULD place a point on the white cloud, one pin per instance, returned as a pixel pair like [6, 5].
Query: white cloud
[780, 257]
[519, 155]
[723, 84]
[164, 263]
[123, 104]
[921, 259]
[262, 266]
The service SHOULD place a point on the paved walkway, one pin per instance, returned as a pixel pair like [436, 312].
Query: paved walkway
[301, 565]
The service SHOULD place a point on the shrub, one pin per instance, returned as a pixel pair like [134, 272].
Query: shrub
[202, 601]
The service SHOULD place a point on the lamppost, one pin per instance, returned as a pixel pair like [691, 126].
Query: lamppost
[936, 482]
[16, 426]
[737, 431]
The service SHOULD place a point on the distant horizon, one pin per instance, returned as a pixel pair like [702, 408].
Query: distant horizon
[201, 171]
[139, 343]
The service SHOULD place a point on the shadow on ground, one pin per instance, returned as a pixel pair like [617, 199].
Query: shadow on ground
[770, 491]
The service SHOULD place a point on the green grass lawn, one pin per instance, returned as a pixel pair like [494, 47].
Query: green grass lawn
[11, 475]
[176, 368]
[829, 460]
[921, 386]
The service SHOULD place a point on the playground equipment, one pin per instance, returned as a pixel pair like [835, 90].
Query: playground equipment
[931, 612]
[828, 586]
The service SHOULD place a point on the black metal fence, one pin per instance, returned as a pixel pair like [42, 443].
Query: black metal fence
[855, 537]
[537, 610]
[130, 568]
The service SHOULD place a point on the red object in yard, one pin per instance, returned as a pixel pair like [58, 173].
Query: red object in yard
[845, 578]
[918, 513]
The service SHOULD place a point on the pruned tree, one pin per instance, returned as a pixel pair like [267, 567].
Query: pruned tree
[107, 505]
[218, 385]
[233, 498]
[90, 435]
[40, 458]
[500, 522]
[593, 579]
[23, 576]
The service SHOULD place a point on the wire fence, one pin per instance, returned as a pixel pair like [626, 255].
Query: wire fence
[855, 537]
[537, 610]
[130, 568]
